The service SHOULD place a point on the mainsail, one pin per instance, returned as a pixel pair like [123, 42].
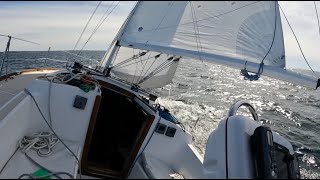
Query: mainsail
[240, 34]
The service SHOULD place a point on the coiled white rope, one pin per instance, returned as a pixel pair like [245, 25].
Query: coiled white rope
[42, 142]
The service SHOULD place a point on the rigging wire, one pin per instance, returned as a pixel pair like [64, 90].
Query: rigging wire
[152, 73]
[194, 23]
[256, 76]
[160, 68]
[86, 27]
[20, 39]
[315, 6]
[274, 33]
[158, 71]
[95, 30]
[79, 56]
[165, 63]
[40, 44]
[165, 14]
[125, 65]
[298, 43]
[8, 36]
[53, 131]
[196, 29]
[155, 58]
[103, 62]
[130, 59]
[204, 19]
[142, 68]
[103, 16]
[135, 71]
[197, 32]
[75, 46]
[7, 57]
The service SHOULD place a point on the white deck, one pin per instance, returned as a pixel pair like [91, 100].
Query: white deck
[19, 117]
[15, 84]
[59, 161]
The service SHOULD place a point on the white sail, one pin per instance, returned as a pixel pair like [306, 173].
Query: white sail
[152, 70]
[239, 34]
[147, 71]
[241, 30]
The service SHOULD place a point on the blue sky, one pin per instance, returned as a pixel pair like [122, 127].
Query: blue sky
[59, 23]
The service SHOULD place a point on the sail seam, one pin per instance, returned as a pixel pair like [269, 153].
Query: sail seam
[256, 76]
[165, 14]
[196, 29]
[204, 19]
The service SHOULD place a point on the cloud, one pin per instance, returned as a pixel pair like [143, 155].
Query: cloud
[59, 24]
[303, 19]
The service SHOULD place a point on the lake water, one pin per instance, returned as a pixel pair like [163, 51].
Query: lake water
[202, 93]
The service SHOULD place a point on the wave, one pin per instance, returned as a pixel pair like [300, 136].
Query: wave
[201, 95]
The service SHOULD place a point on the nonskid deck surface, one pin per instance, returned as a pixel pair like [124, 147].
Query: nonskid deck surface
[59, 161]
[17, 82]
[28, 119]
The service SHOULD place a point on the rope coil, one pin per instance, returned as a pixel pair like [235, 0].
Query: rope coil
[39, 142]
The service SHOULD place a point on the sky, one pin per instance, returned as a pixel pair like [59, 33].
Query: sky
[58, 24]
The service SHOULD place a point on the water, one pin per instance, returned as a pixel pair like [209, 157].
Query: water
[201, 94]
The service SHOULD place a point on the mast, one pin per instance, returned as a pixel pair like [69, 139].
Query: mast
[115, 41]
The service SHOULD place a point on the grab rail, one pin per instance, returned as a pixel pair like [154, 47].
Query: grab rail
[234, 108]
